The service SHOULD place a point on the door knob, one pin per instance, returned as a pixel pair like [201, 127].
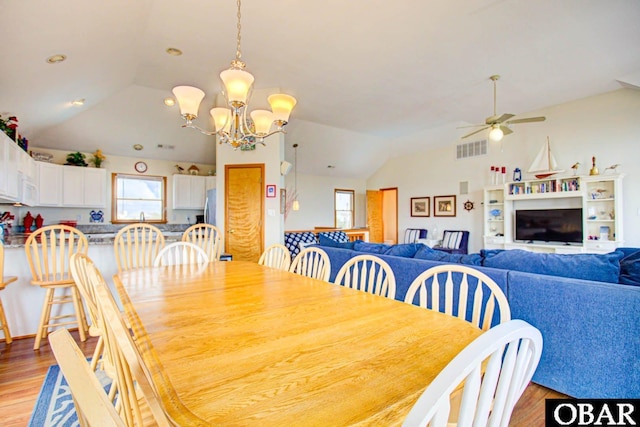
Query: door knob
[231, 231]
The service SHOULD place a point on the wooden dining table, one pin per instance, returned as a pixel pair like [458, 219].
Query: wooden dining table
[236, 343]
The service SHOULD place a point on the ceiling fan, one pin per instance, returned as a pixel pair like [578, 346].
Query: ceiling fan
[499, 124]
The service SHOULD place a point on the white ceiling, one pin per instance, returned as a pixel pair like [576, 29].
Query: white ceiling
[373, 78]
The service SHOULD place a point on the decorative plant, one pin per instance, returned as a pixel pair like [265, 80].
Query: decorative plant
[9, 126]
[76, 159]
[98, 158]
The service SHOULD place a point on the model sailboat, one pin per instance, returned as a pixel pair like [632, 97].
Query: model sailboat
[544, 164]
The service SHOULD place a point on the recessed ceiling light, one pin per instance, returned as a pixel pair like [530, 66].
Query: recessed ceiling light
[173, 51]
[169, 102]
[56, 59]
[138, 147]
[78, 102]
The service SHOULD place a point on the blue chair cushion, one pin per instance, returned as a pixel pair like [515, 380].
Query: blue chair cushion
[373, 248]
[327, 241]
[406, 250]
[597, 267]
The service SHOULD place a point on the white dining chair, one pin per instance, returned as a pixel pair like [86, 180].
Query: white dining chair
[312, 262]
[461, 291]
[180, 253]
[207, 237]
[485, 380]
[368, 273]
[276, 256]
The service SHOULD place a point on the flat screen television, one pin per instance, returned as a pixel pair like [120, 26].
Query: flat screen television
[549, 225]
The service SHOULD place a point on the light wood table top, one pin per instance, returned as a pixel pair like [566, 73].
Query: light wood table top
[237, 343]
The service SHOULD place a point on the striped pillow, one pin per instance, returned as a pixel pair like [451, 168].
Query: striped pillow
[452, 239]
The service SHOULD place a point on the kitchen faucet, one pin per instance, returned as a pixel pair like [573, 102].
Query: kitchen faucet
[141, 216]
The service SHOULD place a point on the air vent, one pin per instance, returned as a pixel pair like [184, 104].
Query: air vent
[166, 147]
[471, 149]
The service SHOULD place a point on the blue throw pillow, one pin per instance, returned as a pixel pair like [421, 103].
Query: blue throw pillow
[597, 267]
[467, 259]
[630, 266]
[373, 248]
[326, 241]
[406, 250]
[425, 252]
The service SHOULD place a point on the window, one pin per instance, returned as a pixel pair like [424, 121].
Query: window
[344, 201]
[138, 198]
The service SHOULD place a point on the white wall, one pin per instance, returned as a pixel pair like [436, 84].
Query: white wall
[605, 126]
[116, 164]
[316, 197]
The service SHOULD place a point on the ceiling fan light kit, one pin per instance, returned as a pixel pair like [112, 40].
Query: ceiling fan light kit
[231, 124]
[499, 124]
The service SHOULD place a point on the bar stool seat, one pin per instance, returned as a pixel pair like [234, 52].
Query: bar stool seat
[48, 251]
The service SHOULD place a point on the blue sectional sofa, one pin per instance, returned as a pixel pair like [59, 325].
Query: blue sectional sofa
[587, 307]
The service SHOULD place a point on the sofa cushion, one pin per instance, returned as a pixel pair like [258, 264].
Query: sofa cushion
[372, 248]
[292, 241]
[338, 236]
[426, 252]
[452, 239]
[407, 250]
[630, 267]
[327, 241]
[597, 267]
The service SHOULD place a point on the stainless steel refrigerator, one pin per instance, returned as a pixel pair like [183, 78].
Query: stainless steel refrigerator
[210, 207]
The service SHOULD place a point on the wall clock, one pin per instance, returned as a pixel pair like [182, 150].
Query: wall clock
[141, 167]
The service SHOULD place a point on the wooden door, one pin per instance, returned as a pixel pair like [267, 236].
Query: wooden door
[374, 216]
[244, 189]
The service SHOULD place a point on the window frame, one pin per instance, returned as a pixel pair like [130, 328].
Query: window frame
[114, 197]
[353, 207]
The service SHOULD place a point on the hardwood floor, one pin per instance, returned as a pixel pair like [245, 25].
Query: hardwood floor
[22, 371]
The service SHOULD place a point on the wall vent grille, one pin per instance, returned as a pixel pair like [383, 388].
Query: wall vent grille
[471, 149]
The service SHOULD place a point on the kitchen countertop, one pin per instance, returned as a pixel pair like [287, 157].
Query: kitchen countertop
[17, 240]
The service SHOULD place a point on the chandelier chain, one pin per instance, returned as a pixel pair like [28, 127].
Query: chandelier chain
[238, 52]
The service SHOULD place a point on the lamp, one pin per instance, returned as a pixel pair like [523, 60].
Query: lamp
[231, 124]
[496, 134]
[296, 204]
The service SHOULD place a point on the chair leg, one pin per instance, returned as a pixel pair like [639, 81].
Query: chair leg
[82, 321]
[44, 318]
[95, 359]
[5, 325]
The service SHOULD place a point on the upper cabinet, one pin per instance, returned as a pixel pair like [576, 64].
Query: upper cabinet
[189, 191]
[17, 171]
[71, 186]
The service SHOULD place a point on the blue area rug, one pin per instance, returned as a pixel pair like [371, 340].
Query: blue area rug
[54, 406]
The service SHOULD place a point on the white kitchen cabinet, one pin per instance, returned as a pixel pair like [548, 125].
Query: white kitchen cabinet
[189, 191]
[71, 186]
[49, 184]
[9, 179]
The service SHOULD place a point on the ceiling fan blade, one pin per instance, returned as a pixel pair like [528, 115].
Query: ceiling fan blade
[476, 131]
[527, 120]
[504, 118]
[470, 126]
[505, 130]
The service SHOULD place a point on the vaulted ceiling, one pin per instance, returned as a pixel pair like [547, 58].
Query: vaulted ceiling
[373, 78]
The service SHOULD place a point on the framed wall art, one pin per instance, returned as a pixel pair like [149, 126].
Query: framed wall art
[420, 206]
[444, 206]
[271, 191]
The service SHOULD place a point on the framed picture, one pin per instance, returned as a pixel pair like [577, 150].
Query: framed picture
[420, 206]
[271, 191]
[444, 205]
[283, 200]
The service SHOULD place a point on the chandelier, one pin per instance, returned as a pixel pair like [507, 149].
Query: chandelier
[231, 124]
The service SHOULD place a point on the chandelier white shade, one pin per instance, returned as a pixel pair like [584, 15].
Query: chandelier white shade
[232, 124]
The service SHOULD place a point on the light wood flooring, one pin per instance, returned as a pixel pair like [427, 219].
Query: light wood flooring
[22, 371]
